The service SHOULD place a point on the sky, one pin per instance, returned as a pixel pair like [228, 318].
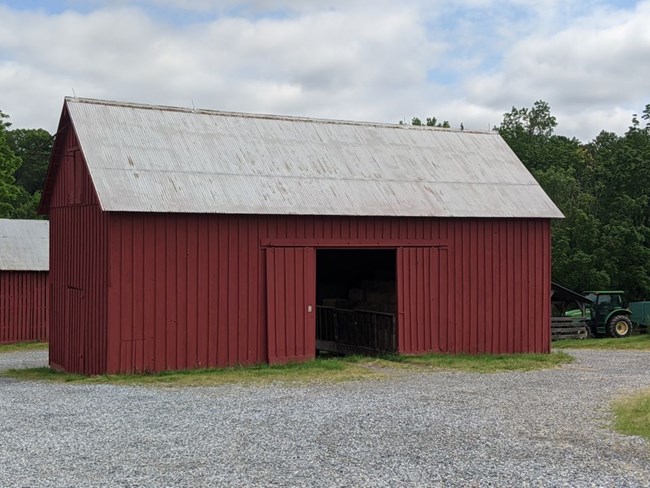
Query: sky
[465, 61]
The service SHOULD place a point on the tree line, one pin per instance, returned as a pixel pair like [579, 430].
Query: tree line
[24, 156]
[602, 187]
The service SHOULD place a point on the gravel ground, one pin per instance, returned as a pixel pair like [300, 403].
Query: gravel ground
[22, 359]
[542, 428]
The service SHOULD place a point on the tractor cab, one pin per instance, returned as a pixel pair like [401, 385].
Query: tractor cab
[609, 313]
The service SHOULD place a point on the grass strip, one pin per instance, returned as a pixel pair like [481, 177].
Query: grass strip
[22, 346]
[637, 342]
[633, 414]
[320, 370]
[485, 363]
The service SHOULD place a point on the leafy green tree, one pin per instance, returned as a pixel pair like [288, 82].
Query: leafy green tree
[621, 173]
[24, 155]
[9, 163]
[601, 187]
[33, 147]
[646, 116]
[536, 121]
[430, 122]
[559, 164]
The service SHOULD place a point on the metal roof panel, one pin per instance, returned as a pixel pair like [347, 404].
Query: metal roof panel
[146, 158]
[24, 245]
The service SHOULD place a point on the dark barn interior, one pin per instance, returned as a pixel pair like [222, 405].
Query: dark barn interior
[356, 296]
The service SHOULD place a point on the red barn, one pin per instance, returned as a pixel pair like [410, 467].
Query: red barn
[185, 238]
[24, 256]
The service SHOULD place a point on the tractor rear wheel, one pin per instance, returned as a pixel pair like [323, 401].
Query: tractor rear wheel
[619, 326]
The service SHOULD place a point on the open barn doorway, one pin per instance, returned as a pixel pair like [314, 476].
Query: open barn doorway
[356, 301]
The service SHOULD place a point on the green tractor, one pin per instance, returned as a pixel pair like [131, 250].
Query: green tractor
[609, 314]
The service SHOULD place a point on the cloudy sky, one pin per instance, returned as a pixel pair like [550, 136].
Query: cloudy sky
[464, 61]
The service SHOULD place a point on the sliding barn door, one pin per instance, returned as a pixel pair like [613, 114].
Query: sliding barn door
[420, 311]
[291, 303]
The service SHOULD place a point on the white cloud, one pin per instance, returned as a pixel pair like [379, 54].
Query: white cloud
[588, 72]
[326, 63]
[207, 6]
[466, 61]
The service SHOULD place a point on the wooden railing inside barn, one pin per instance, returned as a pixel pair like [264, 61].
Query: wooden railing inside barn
[355, 331]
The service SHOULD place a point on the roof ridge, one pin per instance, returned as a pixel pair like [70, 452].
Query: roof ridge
[252, 115]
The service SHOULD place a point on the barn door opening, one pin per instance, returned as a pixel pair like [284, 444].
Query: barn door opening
[291, 290]
[356, 296]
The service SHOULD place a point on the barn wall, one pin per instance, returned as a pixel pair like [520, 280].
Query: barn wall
[78, 267]
[23, 306]
[185, 292]
[487, 291]
[189, 291]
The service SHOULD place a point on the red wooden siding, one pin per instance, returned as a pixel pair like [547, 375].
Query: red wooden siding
[291, 303]
[185, 292]
[23, 306]
[190, 291]
[78, 267]
[486, 292]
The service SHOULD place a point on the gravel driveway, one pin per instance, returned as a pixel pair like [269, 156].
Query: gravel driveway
[21, 359]
[542, 428]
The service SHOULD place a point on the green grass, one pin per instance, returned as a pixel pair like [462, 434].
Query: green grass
[22, 346]
[486, 363]
[637, 342]
[318, 370]
[321, 370]
[633, 415]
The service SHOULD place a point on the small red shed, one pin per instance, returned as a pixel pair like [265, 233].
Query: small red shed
[185, 238]
[24, 256]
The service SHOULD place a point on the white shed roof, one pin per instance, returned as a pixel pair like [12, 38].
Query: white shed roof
[24, 245]
[145, 158]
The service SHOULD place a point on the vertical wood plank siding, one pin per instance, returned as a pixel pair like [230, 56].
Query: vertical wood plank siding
[23, 306]
[190, 291]
[291, 280]
[78, 267]
[487, 292]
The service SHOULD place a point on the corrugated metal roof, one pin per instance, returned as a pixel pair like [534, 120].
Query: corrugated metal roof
[24, 245]
[145, 158]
